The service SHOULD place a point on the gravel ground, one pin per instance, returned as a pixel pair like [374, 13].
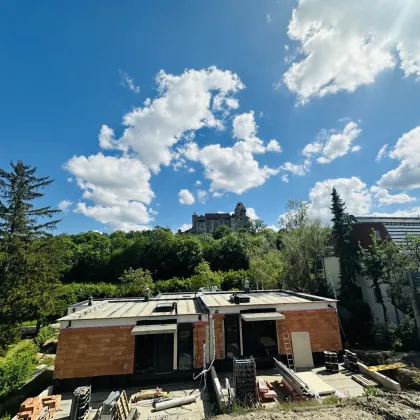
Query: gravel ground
[404, 406]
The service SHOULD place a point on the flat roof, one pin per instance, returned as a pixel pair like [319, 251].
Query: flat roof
[132, 308]
[262, 298]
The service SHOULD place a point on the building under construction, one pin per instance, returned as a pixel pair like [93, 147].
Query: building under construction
[126, 342]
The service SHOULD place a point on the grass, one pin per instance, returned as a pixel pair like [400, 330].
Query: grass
[331, 400]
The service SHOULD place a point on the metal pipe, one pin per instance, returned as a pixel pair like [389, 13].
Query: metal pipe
[175, 402]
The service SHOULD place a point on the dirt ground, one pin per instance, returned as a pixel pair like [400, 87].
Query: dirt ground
[405, 406]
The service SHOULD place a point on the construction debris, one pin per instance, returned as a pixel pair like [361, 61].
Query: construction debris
[360, 379]
[176, 402]
[39, 408]
[80, 405]
[386, 367]
[147, 395]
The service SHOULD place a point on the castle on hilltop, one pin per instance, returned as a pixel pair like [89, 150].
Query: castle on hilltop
[211, 221]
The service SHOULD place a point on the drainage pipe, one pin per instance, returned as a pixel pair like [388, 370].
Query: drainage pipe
[175, 402]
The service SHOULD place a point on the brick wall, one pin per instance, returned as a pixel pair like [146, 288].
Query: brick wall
[86, 352]
[322, 326]
[219, 335]
[199, 336]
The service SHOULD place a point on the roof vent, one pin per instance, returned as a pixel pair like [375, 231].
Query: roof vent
[239, 298]
[164, 307]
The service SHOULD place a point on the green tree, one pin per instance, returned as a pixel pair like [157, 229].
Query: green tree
[303, 242]
[266, 271]
[344, 249]
[27, 266]
[374, 267]
[255, 226]
[222, 231]
[204, 277]
[135, 282]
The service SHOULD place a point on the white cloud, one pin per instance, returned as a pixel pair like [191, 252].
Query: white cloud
[407, 174]
[217, 194]
[191, 170]
[251, 213]
[296, 169]
[185, 226]
[285, 178]
[65, 205]
[351, 190]
[345, 44]
[382, 153]
[339, 144]
[119, 188]
[107, 139]
[355, 148]
[70, 179]
[273, 146]
[233, 169]
[198, 183]
[185, 197]
[273, 227]
[128, 81]
[312, 149]
[410, 212]
[245, 128]
[183, 106]
[268, 17]
[385, 198]
[202, 196]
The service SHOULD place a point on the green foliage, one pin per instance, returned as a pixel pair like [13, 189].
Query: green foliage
[204, 277]
[222, 231]
[233, 279]
[44, 334]
[9, 334]
[174, 284]
[135, 282]
[372, 391]
[404, 335]
[303, 242]
[5, 416]
[344, 249]
[17, 366]
[266, 271]
[359, 313]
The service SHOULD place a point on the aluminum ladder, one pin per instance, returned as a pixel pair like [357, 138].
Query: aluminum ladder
[287, 346]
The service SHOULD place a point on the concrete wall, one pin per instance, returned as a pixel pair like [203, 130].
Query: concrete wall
[322, 326]
[386, 382]
[331, 266]
[86, 352]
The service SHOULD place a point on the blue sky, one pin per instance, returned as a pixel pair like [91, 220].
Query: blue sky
[136, 103]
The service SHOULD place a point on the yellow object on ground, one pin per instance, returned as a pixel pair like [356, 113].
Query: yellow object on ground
[386, 367]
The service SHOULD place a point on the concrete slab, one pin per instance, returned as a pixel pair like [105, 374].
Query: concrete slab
[318, 385]
[341, 381]
[194, 411]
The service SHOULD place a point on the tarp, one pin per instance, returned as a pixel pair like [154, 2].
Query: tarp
[154, 329]
[262, 316]
[386, 367]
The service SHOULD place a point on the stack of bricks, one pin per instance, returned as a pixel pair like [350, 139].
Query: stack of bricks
[31, 408]
[199, 340]
[321, 324]
[52, 402]
[219, 335]
[94, 351]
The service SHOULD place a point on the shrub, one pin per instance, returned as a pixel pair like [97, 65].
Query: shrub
[174, 284]
[404, 335]
[234, 279]
[372, 391]
[17, 366]
[44, 334]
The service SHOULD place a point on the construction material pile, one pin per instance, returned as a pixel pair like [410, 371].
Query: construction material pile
[39, 408]
[244, 381]
[331, 361]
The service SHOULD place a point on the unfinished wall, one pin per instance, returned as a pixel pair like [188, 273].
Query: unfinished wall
[199, 336]
[321, 324]
[86, 352]
[219, 335]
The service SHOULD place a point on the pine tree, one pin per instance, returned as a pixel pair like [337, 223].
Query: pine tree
[344, 249]
[27, 260]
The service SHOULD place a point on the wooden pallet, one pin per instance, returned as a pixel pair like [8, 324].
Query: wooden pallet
[364, 381]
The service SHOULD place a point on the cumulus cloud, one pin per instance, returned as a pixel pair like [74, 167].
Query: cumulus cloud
[410, 212]
[339, 144]
[407, 174]
[183, 106]
[312, 149]
[186, 197]
[273, 146]
[345, 44]
[385, 198]
[382, 153]
[356, 148]
[296, 169]
[64, 205]
[118, 188]
[273, 227]
[251, 213]
[128, 81]
[202, 196]
[198, 183]
[185, 226]
[352, 190]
